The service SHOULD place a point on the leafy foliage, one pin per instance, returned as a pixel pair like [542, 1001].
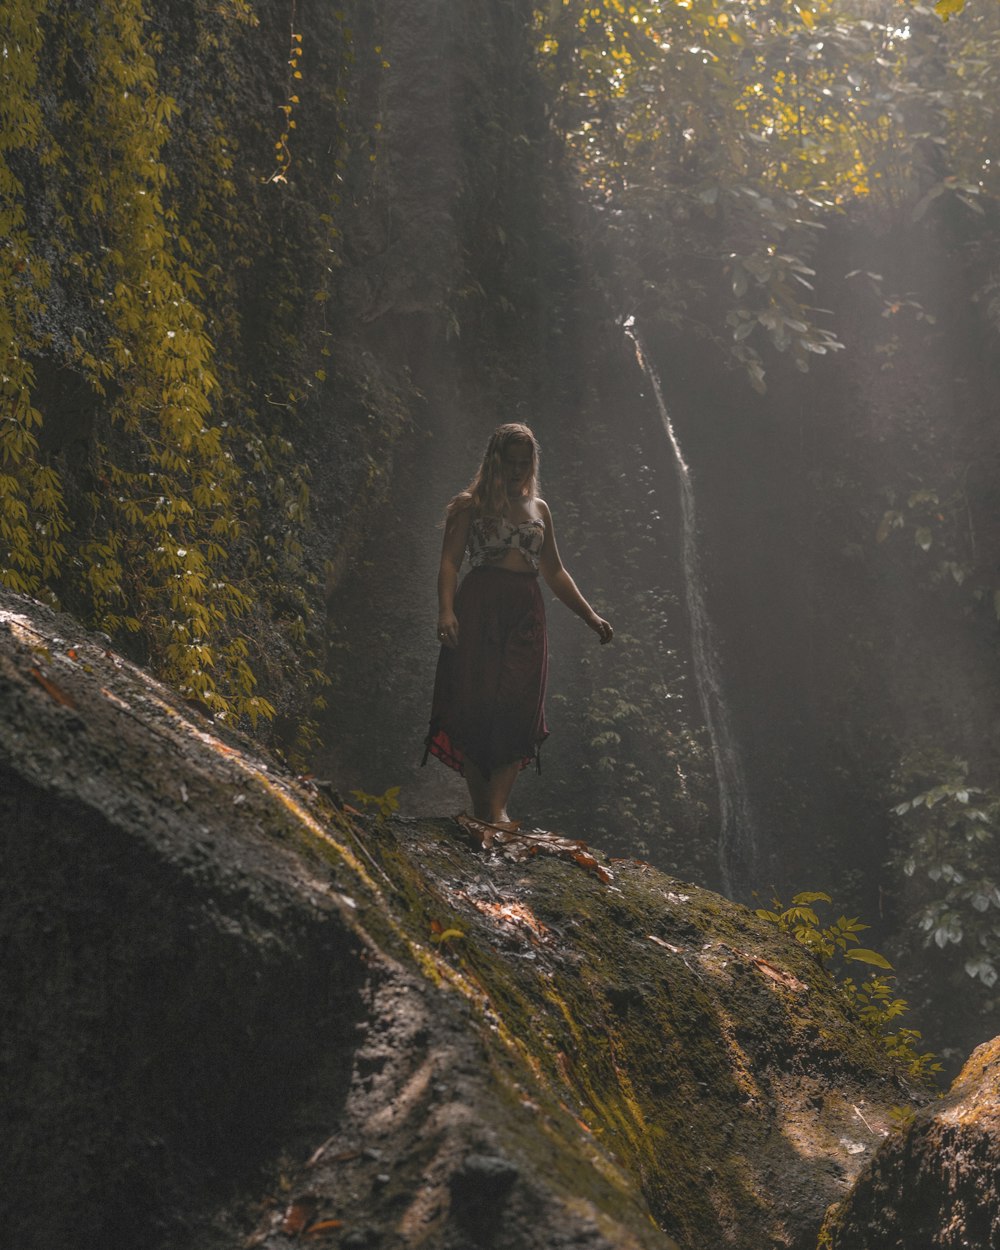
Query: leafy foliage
[873, 1002]
[715, 141]
[715, 137]
[837, 939]
[385, 804]
[948, 848]
[32, 510]
[163, 480]
[171, 509]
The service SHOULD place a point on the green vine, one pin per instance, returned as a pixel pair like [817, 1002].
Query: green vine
[32, 510]
[282, 146]
[182, 520]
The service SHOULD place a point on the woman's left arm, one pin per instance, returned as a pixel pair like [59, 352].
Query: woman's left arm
[563, 586]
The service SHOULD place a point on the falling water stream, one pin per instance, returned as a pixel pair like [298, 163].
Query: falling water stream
[738, 848]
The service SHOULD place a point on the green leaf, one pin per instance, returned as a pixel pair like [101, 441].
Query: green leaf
[948, 8]
[865, 956]
[892, 520]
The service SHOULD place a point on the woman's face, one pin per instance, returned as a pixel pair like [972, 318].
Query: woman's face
[518, 461]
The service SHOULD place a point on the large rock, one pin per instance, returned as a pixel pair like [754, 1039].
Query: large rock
[234, 1016]
[935, 1184]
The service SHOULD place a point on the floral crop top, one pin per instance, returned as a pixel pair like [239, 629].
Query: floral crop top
[490, 538]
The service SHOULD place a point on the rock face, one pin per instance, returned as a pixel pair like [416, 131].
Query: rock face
[234, 1016]
[934, 1184]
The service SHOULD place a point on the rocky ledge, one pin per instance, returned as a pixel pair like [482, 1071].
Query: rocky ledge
[236, 1015]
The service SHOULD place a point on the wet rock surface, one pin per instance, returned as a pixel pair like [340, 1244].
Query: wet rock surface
[235, 1016]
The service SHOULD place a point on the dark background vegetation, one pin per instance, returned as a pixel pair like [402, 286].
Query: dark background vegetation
[272, 272]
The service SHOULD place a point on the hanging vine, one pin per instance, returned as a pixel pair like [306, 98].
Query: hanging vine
[32, 510]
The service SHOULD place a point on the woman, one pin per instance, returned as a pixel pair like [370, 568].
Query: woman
[488, 713]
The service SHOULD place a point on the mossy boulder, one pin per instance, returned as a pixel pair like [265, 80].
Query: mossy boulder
[235, 1014]
[934, 1183]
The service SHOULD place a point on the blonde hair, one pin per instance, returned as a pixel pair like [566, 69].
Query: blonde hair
[487, 492]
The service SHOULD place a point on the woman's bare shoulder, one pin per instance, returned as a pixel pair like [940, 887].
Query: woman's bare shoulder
[460, 512]
[461, 502]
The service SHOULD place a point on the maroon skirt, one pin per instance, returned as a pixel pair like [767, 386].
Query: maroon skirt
[489, 691]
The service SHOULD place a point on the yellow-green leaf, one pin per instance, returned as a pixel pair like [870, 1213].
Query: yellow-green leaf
[865, 956]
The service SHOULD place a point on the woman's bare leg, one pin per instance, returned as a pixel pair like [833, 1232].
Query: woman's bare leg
[489, 795]
[477, 784]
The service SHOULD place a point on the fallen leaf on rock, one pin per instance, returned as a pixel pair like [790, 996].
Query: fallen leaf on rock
[581, 1123]
[875, 1132]
[586, 860]
[562, 1063]
[344, 1156]
[778, 974]
[298, 1215]
[52, 689]
[522, 844]
[513, 916]
[322, 1227]
[319, 1152]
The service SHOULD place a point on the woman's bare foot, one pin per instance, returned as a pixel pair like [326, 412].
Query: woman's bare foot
[503, 821]
[490, 795]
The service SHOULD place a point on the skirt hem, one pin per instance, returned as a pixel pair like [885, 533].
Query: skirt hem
[439, 744]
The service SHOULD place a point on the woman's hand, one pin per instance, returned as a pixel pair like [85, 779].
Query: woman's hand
[448, 629]
[601, 628]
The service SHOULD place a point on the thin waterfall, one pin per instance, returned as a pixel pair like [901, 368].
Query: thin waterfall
[738, 849]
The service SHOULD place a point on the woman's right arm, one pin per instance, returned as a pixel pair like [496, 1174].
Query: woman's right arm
[456, 536]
